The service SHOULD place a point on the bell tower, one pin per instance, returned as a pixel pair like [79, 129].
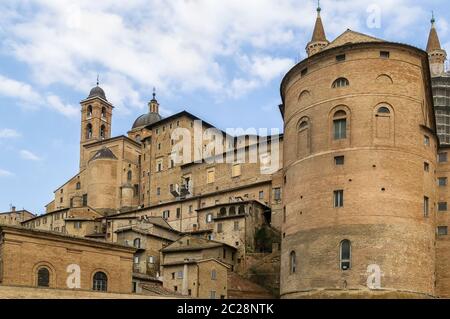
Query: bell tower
[96, 116]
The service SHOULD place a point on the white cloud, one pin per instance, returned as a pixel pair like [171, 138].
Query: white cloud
[29, 156]
[9, 133]
[31, 98]
[5, 173]
[176, 45]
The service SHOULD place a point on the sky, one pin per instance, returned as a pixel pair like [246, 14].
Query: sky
[222, 60]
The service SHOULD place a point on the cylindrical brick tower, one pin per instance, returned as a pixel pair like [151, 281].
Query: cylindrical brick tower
[360, 183]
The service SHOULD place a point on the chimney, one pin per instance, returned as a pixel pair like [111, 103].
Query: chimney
[13, 209]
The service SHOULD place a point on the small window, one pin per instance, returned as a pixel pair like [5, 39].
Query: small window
[261, 195]
[442, 206]
[166, 214]
[340, 125]
[426, 206]
[137, 243]
[340, 57]
[426, 140]
[212, 295]
[213, 274]
[293, 262]
[210, 177]
[304, 72]
[232, 211]
[426, 167]
[443, 157]
[219, 227]
[89, 111]
[236, 226]
[442, 230]
[338, 198]
[339, 160]
[442, 181]
[385, 54]
[78, 186]
[43, 279]
[340, 83]
[151, 259]
[129, 176]
[345, 254]
[209, 218]
[277, 194]
[100, 282]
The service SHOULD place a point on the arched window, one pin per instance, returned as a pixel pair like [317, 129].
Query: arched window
[384, 124]
[78, 185]
[138, 138]
[232, 211]
[137, 243]
[100, 282]
[102, 132]
[89, 111]
[209, 218]
[129, 176]
[43, 277]
[303, 135]
[223, 212]
[383, 110]
[346, 254]
[89, 131]
[242, 210]
[293, 262]
[103, 113]
[340, 125]
[340, 83]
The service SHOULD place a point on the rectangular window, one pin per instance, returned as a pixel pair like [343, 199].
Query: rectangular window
[385, 54]
[443, 157]
[85, 200]
[340, 57]
[442, 206]
[151, 260]
[178, 213]
[340, 129]
[426, 167]
[78, 225]
[219, 227]
[180, 275]
[277, 194]
[339, 160]
[173, 275]
[426, 206]
[210, 178]
[236, 226]
[261, 195]
[442, 230]
[442, 181]
[166, 214]
[236, 170]
[212, 295]
[159, 165]
[338, 198]
[426, 140]
[213, 274]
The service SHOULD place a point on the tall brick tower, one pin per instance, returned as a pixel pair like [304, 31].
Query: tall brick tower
[96, 116]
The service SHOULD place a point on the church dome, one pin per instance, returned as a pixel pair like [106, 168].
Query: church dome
[97, 92]
[147, 119]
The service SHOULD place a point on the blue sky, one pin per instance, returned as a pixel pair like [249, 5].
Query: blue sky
[220, 60]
